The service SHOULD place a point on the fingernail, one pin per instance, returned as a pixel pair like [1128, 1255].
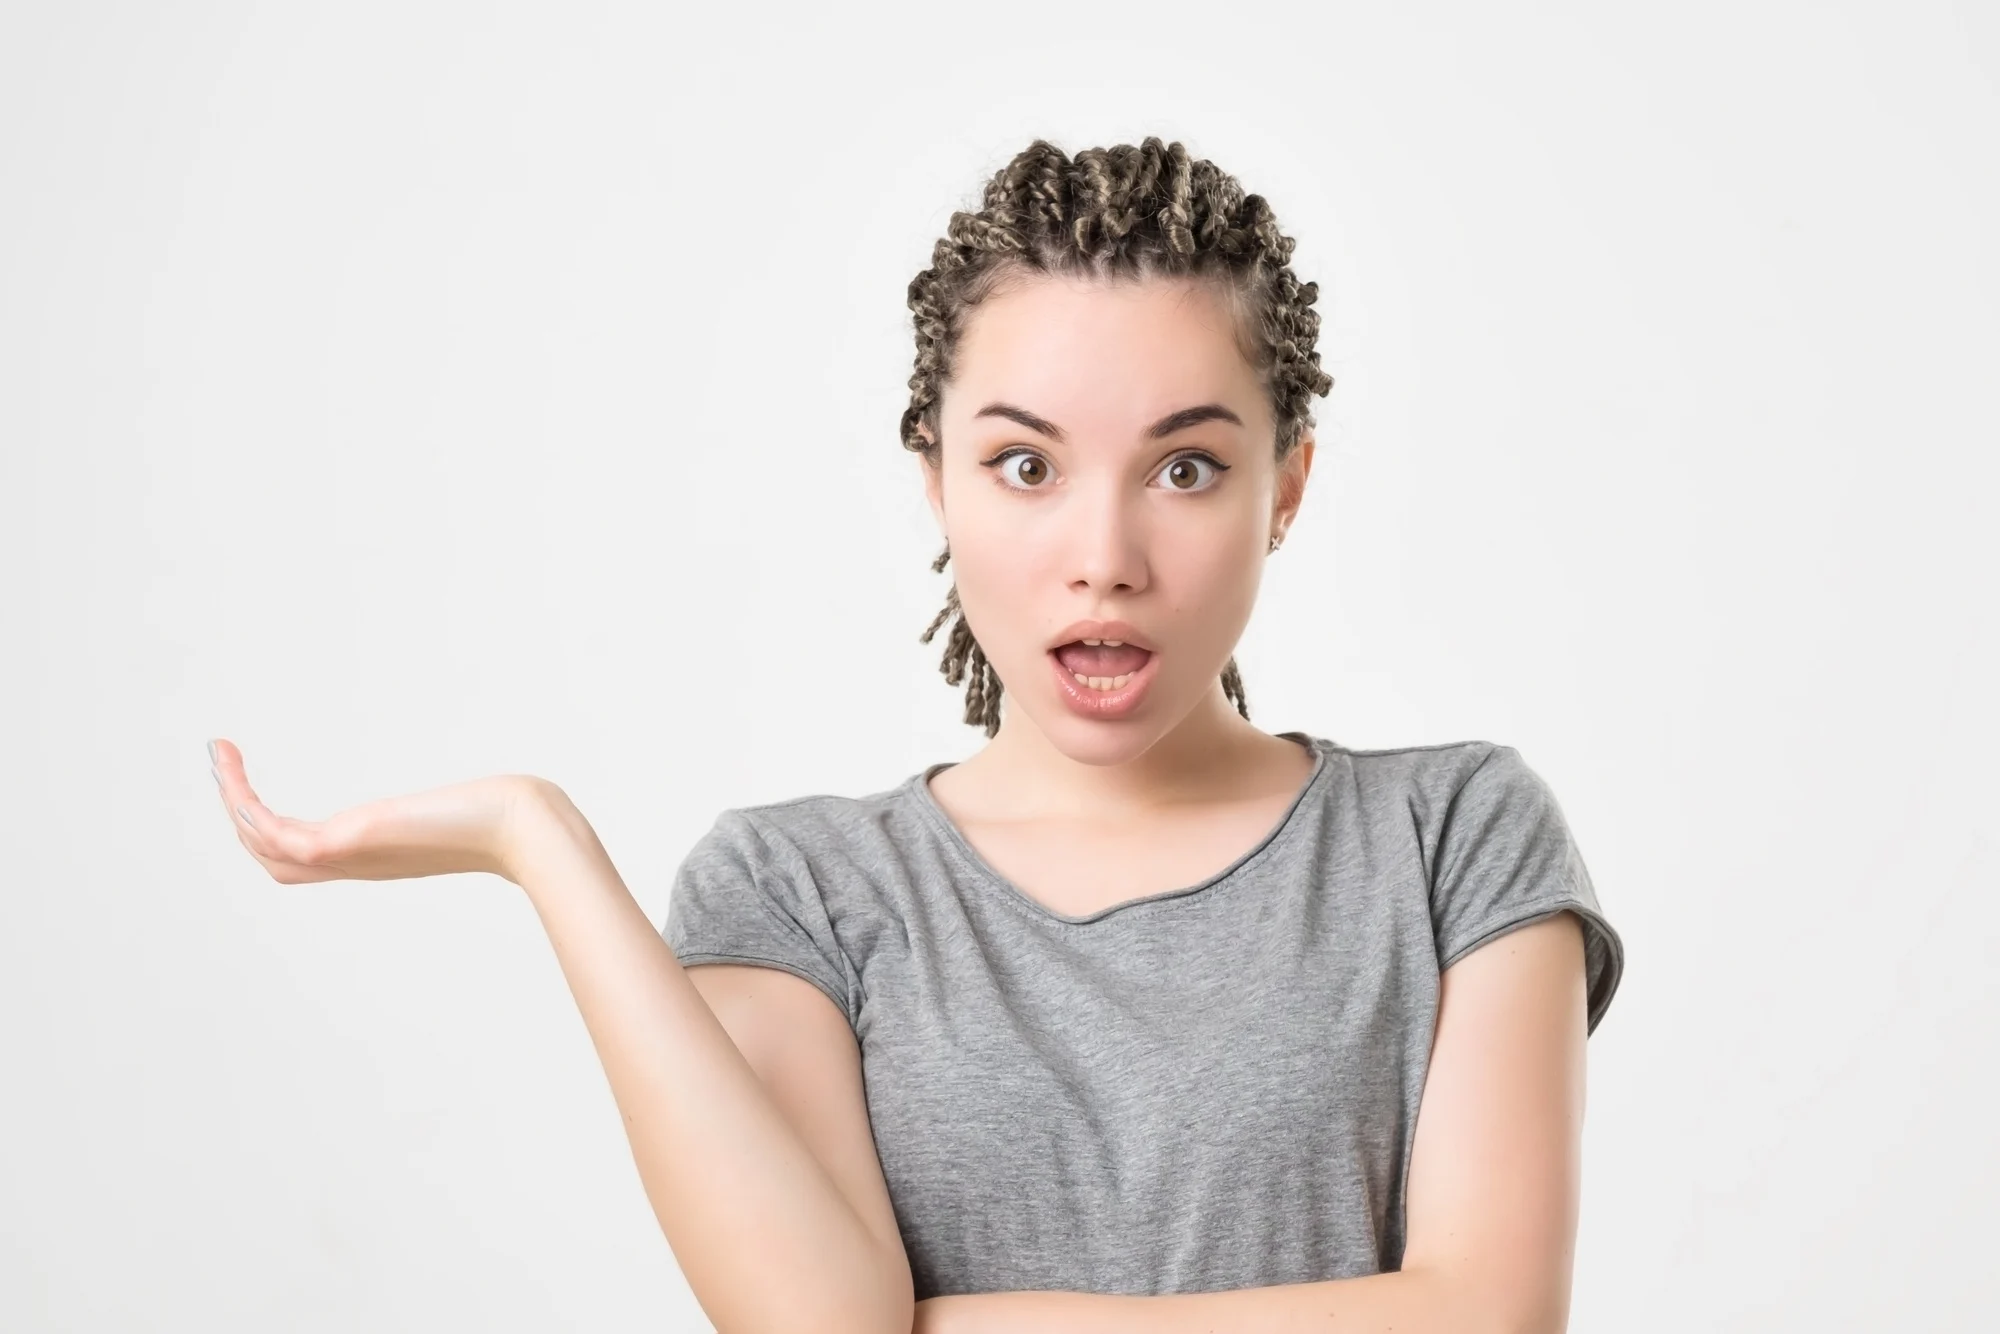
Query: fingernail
[245, 813]
[211, 754]
[218, 779]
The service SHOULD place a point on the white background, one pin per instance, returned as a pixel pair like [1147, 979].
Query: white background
[413, 392]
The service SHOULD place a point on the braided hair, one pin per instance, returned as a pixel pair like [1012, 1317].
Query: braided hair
[1118, 212]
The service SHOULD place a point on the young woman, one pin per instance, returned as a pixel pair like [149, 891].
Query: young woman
[1141, 1018]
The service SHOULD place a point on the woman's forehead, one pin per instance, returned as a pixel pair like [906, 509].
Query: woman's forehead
[1117, 353]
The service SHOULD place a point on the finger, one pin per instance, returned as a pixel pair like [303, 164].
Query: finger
[278, 837]
[229, 795]
[268, 835]
[283, 871]
[242, 805]
[245, 807]
[216, 761]
[225, 761]
[276, 869]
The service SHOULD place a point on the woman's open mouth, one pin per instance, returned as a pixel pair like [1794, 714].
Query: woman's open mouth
[1102, 678]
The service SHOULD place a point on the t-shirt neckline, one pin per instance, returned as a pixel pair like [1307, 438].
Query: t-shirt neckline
[918, 786]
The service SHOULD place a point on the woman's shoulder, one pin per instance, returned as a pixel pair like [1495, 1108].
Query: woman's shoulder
[1428, 763]
[1432, 781]
[816, 819]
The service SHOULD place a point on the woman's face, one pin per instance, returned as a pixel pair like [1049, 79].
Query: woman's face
[1108, 457]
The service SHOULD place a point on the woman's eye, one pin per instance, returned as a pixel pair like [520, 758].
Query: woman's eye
[1190, 472]
[1023, 471]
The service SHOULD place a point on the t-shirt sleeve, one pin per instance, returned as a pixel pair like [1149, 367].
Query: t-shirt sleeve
[1505, 858]
[743, 894]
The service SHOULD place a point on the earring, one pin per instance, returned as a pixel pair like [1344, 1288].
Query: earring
[1276, 540]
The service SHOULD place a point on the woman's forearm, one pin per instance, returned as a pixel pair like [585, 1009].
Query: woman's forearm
[762, 1234]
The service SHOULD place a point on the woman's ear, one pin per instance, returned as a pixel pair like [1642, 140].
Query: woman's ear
[930, 463]
[1292, 475]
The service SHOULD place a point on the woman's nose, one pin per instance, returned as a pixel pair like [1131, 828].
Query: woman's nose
[1107, 549]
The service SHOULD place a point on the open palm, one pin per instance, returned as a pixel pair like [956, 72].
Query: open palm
[442, 831]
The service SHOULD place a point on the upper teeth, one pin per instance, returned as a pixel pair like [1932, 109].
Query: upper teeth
[1107, 643]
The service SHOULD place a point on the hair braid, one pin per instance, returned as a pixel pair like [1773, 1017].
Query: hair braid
[1126, 211]
[962, 654]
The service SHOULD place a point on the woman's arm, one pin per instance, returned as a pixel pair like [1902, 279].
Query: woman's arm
[768, 1237]
[765, 1236]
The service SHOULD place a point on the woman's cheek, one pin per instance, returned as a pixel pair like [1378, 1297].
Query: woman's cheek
[998, 606]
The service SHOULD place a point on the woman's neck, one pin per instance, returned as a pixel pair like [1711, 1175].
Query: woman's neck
[1213, 754]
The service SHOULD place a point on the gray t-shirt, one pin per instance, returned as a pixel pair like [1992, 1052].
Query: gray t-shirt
[1210, 1088]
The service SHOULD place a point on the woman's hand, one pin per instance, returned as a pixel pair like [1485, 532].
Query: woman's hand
[462, 827]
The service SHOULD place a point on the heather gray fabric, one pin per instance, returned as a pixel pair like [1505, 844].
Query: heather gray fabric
[1210, 1088]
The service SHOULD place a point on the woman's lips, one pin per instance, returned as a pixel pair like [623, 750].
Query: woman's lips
[1089, 701]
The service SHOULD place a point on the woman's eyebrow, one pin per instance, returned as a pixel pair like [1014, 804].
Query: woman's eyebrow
[1165, 426]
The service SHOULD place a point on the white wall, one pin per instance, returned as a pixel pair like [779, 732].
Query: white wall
[411, 392]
